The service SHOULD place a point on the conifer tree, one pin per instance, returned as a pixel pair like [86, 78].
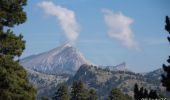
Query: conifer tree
[136, 92]
[14, 84]
[145, 94]
[153, 94]
[92, 95]
[62, 93]
[140, 93]
[116, 94]
[78, 91]
[166, 77]
[44, 98]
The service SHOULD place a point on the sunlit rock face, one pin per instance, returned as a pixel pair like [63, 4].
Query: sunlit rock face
[63, 59]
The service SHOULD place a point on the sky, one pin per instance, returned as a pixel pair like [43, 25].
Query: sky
[107, 32]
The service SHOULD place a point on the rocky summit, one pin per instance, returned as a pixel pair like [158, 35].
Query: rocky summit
[63, 59]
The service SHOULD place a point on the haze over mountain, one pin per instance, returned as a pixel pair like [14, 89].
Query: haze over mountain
[63, 59]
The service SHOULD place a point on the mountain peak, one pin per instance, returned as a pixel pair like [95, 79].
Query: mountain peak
[67, 45]
[65, 58]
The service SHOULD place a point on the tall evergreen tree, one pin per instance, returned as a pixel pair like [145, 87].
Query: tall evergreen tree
[153, 94]
[145, 94]
[166, 78]
[62, 93]
[44, 98]
[136, 92]
[140, 93]
[14, 84]
[116, 94]
[92, 95]
[78, 91]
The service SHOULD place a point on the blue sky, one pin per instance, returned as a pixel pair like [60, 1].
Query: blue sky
[94, 25]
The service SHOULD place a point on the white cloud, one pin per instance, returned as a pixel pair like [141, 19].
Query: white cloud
[66, 19]
[119, 28]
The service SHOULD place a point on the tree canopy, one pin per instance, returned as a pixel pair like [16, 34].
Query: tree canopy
[166, 77]
[116, 94]
[78, 91]
[14, 84]
[143, 93]
[11, 13]
[62, 93]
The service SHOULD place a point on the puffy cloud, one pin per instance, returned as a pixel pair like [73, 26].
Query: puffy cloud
[119, 28]
[65, 17]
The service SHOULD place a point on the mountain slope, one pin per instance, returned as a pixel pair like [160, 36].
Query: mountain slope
[103, 80]
[45, 83]
[64, 59]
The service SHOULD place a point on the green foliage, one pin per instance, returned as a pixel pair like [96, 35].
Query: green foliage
[145, 93]
[136, 92]
[166, 78]
[14, 84]
[140, 93]
[11, 13]
[153, 94]
[167, 26]
[78, 91]
[44, 98]
[10, 44]
[13, 81]
[116, 94]
[92, 95]
[62, 93]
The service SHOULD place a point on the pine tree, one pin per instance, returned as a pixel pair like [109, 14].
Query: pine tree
[153, 94]
[92, 95]
[166, 78]
[62, 93]
[145, 94]
[78, 91]
[11, 13]
[136, 92]
[140, 93]
[14, 84]
[44, 98]
[116, 94]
